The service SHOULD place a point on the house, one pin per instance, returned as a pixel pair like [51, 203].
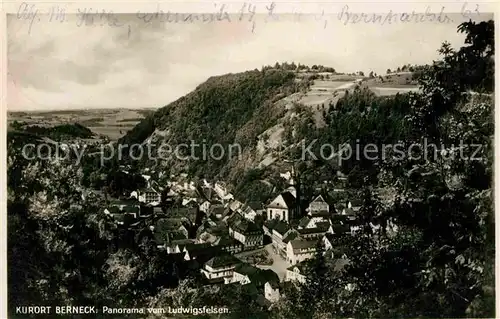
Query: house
[246, 232]
[190, 202]
[283, 207]
[313, 233]
[216, 210]
[229, 245]
[220, 267]
[189, 214]
[290, 235]
[201, 252]
[235, 205]
[272, 291]
[248, 212]
[221, 189]
[297, 273]
[318, 205]
[355, 205]
[304, 222]
[149, 196]
[247, 274]
[167, 229]
[278, 233]
[177, 246]
[299, 250]
[269, 225]
[123, 212]
[205, 206]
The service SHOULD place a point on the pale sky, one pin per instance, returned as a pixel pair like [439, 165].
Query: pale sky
[63, 66]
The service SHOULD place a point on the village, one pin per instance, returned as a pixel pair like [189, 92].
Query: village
[263, 246]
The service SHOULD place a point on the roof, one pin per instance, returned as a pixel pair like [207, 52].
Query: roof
[303, 244]
[315, 230]
[318, 199]
[242, 225]
[195, 247]
[188, 212]
[216, 210]
[304, 221]
[290, 236]
[322, 213]
[340, 229]
[302, 266]
[226, 241]
[323, 225]
[204, 254]
[223, 260]
[166, 229]
[257, 276]
[255, 205]
[339, 264]
[131, 209]
[270, 224]
[356, 202]
[281, 227]
[113, 210]
[348, 211]
[288, 198]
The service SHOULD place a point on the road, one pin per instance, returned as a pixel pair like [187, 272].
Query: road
[279, 265]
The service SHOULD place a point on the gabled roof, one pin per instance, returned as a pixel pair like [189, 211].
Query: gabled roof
[227, 241]
[341, 229]
[319, 199]
[257, 276]
[224, 260]
[290, 236]
[322, 213]
[323, 225]
[304, 221]
[271, 224]
[113, 210]
[196, 247]
[187, 212]
[289, 199]
[203, 255]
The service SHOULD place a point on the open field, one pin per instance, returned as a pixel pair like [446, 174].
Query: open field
[112, 123]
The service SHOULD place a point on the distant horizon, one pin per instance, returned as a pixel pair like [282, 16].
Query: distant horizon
[155, 65]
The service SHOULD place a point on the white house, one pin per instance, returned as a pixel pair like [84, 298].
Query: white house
[220, 267]
[220, 189]
[149, 196]
[299, 250]
[272, 291]
[283, 207]
[296, 273]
